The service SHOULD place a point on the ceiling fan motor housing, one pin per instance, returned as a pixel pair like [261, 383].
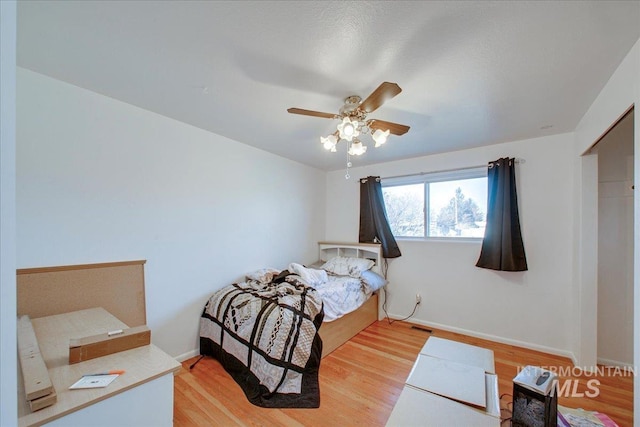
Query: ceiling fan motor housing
[350, 104]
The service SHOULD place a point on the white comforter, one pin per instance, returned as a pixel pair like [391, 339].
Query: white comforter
[340, 294]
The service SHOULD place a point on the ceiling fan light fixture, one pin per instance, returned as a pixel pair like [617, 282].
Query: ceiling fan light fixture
[329, 143]
[348, 129]
[356, 148]
[380, 136]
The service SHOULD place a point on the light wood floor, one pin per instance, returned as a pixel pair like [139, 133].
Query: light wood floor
[361, 381]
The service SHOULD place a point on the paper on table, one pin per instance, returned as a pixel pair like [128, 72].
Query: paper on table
[93, 381]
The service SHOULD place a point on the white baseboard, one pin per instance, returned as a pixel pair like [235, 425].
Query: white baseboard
[574, 359]
[188, 355]
[609, 362]
[494, 338]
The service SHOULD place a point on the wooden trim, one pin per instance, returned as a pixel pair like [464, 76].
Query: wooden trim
[91, 347]
[35, 375]
[607, 130]
[77, 267]
[43, 402]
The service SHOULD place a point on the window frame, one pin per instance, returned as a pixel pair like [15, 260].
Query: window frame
[435, 177]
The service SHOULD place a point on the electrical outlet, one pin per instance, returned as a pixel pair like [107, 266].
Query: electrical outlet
[418, 299]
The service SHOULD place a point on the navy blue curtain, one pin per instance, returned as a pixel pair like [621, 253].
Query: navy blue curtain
[502, 246]
[374, 225]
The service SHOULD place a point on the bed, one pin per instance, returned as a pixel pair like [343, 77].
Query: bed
[337, 332]
[268, 332]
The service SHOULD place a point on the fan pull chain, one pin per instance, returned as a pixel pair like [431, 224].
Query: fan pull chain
[347, 176]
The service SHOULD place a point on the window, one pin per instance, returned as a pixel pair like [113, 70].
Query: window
[441, 204]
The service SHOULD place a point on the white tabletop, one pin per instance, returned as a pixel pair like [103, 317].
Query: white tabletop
[460, 352]
[464, 383]
[420, 408]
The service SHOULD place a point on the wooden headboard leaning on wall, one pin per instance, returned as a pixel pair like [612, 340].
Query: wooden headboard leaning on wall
[118, 287]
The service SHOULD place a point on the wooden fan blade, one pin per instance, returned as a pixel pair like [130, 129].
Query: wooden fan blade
[394, 128]
[311, 113]
[378, 97]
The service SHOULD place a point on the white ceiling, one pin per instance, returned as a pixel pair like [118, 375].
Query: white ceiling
[472, 73]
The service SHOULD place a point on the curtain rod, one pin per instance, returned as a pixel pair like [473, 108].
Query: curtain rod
[517, 160]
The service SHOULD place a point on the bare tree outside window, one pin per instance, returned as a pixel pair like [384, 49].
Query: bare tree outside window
[441, 208]
[459, 215]
[405, 209]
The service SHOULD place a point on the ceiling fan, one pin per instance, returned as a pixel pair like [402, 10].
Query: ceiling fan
[354, 122]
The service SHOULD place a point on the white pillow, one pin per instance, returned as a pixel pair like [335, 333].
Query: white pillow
[264, 275]
[373, 280]
[347, 266]
[311, 276]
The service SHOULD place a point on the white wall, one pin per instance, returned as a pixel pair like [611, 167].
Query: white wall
[615, 245]
[621, 91]
[99, 180]
[8, 385]
[456, 294]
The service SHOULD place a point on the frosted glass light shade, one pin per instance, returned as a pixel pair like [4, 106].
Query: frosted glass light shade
[380, 136]
[348, 129]
[329, 143]
[357, 149]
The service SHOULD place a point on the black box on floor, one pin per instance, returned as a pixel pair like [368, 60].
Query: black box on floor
[535, 398]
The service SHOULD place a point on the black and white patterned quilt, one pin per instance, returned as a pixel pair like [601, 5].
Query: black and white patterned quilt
[266, 336]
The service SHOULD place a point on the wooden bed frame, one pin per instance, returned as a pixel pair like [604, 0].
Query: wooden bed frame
[341, 330]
